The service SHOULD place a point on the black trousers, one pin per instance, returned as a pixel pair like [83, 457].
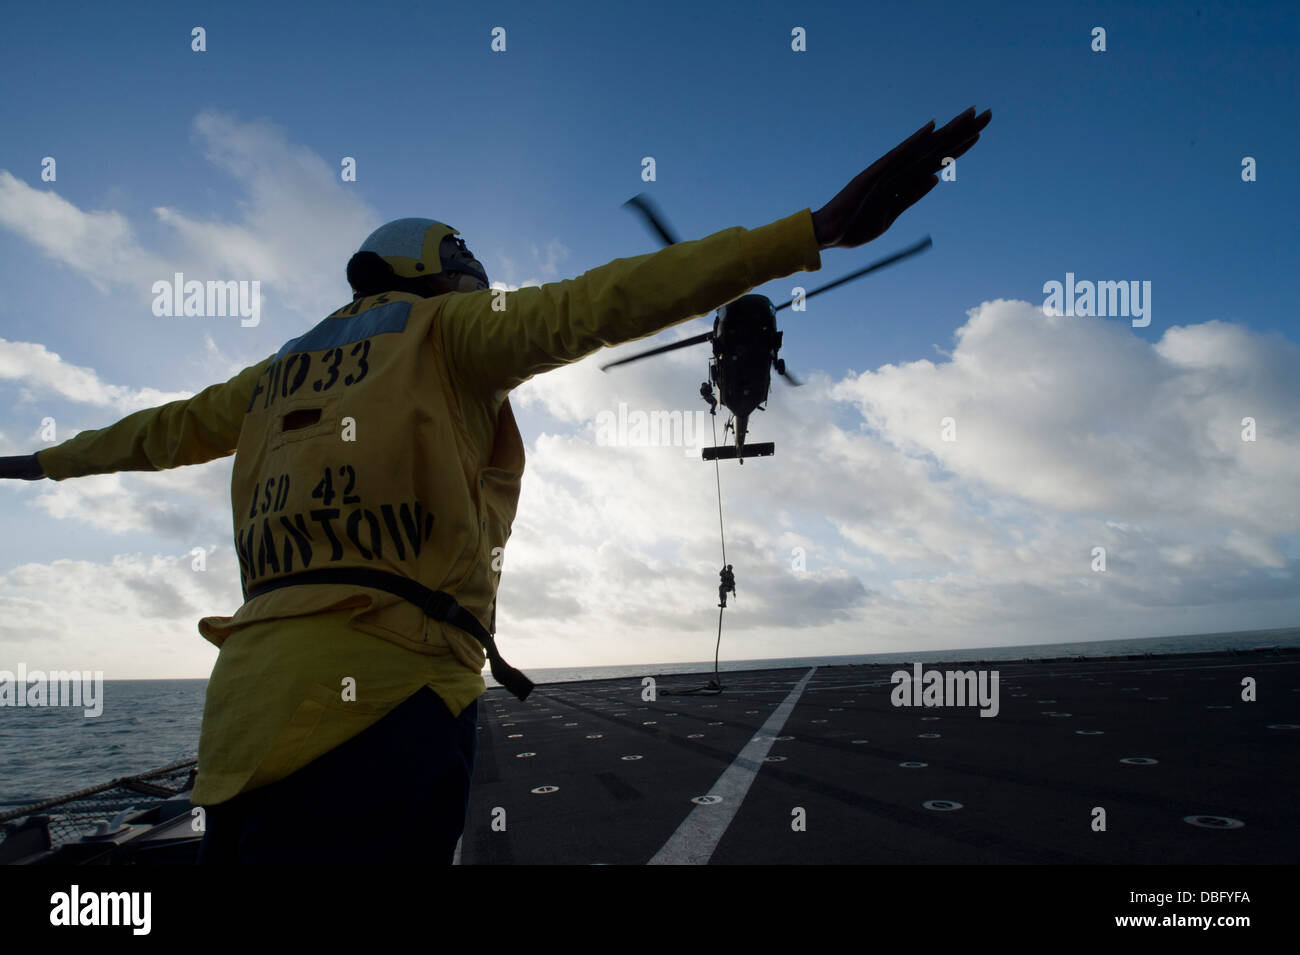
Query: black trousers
[396, 792]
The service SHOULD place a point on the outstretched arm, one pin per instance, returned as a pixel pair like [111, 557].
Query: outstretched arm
[189, 431]
[490, 347]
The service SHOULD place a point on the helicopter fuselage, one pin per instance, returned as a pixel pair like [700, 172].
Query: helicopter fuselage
[745, 344]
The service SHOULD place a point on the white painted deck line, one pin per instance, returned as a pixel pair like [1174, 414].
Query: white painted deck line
[698, 836]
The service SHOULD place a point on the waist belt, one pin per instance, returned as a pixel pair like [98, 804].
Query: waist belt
[435, 603]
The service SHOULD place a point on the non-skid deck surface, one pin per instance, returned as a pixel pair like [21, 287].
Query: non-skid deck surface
[807, 766]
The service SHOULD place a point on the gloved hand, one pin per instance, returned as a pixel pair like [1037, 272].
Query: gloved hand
[868, 205]
[24, 467]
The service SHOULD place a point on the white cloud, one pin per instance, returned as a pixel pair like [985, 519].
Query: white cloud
[1078, 416]
[42, 373]
[189, 505]
[1072, 434]
[299, 226]
[131, 617]
[296, 229]
[556, 252]
[101, 246]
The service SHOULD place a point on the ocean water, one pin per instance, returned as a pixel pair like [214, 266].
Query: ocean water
[46, 751]
[145, 724]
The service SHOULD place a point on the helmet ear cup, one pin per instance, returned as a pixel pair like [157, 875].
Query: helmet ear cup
[369, 274]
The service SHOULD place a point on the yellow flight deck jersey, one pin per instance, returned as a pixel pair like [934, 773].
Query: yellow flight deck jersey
[383, 438]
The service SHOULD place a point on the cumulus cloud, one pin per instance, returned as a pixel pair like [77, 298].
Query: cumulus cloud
[296, 228]
[1071, 434]
[1079, 417]
[101, 246]
[42, 373]
[131, 616]
[187, 505]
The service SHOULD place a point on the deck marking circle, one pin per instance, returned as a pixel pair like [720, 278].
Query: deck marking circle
[941, 805]
[913, 764]
[1214, 822]
[694, 735]
[524, 755]
[1139, 760]
[649, 723]
[707, 800]
[544, 789]
[629, 758]
[595, 735]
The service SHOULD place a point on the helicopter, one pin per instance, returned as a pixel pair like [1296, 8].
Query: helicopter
[746, 346]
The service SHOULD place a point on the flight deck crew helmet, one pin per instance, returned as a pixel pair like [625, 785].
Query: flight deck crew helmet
[401, 254]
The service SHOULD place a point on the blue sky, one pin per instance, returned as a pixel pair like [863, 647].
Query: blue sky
[1122, 165]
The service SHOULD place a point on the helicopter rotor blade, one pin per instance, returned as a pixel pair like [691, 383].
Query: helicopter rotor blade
[643, 204]
[695, 340]
[888, 260]
[779, 365]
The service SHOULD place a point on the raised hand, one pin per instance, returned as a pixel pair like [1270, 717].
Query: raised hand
[865, 208]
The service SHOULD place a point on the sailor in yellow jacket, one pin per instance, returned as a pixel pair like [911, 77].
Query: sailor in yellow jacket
[381, 447]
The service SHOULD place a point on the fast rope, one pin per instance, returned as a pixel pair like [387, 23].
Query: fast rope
[728, 584]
